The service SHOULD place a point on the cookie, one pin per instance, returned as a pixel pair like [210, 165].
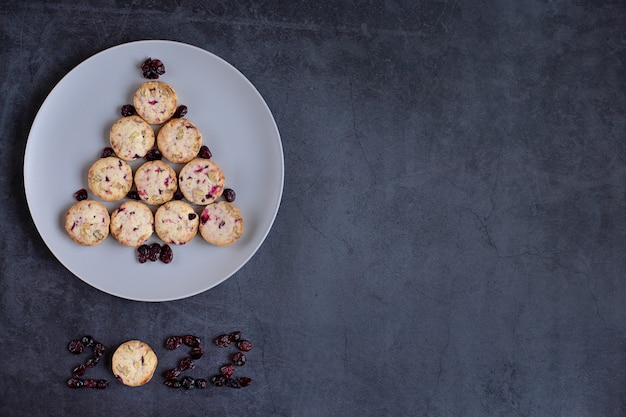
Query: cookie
[87, 222]
[221, 223]
[155, 102]
[131, 138]
[134, 363]
[156, 182]
[132, 223]
[179, 140]
[201, 181]
[176, 222]
[110, 179]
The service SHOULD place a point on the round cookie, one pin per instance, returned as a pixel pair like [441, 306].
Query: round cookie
[176, 222]
[155, 182]
[201, 181]
[87, 222]
[134, 363]
[221, 223]
[132, 223]
[155, 101]
[179, 140]
[110, 178]
[131, 137]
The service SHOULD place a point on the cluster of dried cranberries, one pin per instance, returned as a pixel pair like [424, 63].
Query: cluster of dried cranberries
[225, 377]
[76, 347]
[172, 379]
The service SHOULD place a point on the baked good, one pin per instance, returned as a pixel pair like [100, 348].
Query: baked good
[155, 182]
[131, 137]
[110, 179]
[134, 363]
[155, 101]
[179, 140]
[87, 222]
[132, 223]
[201, 181]
[176, 222]
[221, 223]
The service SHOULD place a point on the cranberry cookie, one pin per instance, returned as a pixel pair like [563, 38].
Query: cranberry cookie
[131, 138]
[132, 223]
[201, 181]
[155, 102]
[221, 223]
[87, 222]
[156, 182]
[179, 140]
[134, 363]
[110, 179]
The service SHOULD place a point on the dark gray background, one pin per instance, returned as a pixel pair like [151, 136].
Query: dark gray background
[452, 235]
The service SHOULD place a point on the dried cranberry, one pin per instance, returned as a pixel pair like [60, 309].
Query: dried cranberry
[233, 383]
[191, 340]
[172, 374]
[81, 195]
[244, 345]
[200, 383]
[87, 341]
[229, 194]
[217, 380]
[178, 195]
[153, 155]
[152, 68]
[75, 383]
[98, 349]
[79, 371]
[173, 342]
[227, 370]
[235, 336]
[223, 340]
[133, 195]
[102, 384]
[154, 251]
[187, 382]
[92, 362]
[196, 353]
[75, 346]
[181, 111]
[106, 152]
[239, 359]
[186, 363]
[172, 383]
[128, 110]
[244, 381]
[192, 216]
[205, 152]
[166, 255]
[90, 383]
[143, 252]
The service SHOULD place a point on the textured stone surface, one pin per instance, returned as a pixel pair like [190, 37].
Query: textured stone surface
[452, 235]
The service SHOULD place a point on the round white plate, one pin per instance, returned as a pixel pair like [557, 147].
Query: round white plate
[72, 127]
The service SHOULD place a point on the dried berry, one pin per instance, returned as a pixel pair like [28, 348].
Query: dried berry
[154, 251]
[233, 383]
[196, 353]
[81, 195]
[191, 340]
[172, 374]
[106, 152]
[153, 155]
[187, 382]
[172, 383]
[223, 340]
[244, 345]
[79, 371]
[102, 384]
[244, 381]
[205, 152]
[143, 251]
[181, 111]
[98, 349]
[152, 68]
[90, 383]
[200, 383]
[74, 383]
[235, 336]
[178, 195]
[217, 380]
[75, 346]
[87, 341]
[166, 255]
[229, 194]
[239, 359]
[92, 362]
[192, 216]
[128, 110]
[173, 342]
[227, 370]
[186, 363]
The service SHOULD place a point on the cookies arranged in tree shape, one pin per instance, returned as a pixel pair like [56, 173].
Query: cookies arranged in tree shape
[134, 363]
[87, 222]
[110, 179]
[176, 222]
[132, 223]
[201, 181]
[131, 138]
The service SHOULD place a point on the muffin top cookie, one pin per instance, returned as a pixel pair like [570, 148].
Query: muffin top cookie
[221, 223]
[132, 223]
[155, 182]
[87, 222]
[110, 178]
[155, 101]
[134, 363]
[176, 222]
[179, 140]
[201, 181]
[131, 137]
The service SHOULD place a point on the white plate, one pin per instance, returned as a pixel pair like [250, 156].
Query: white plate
[71, 129]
